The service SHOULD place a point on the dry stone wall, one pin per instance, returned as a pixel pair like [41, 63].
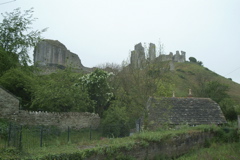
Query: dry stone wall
[63, 120]
[9, 109]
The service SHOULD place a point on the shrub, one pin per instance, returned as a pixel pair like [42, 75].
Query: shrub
[227, 134]
[115, 122]
[192, 59]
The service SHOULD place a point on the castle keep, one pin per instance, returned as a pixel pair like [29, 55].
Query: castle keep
[138, 56]
[52, 54]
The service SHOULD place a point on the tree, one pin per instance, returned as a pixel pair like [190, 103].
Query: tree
[228, 109]
[98, 88]
[7, 61]
[132, 87]
[19, 81]
[164, 89]
[192, 59]
[15, 36]
[216, 91]
[59, 92]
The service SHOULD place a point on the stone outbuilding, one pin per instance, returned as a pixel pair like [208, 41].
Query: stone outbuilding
[177, 111]
[9, 104]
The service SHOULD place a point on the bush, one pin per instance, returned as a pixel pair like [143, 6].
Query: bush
[192, 59]
[115, 122]
[227, 134]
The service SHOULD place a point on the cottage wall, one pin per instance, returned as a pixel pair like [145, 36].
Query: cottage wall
[9, 104]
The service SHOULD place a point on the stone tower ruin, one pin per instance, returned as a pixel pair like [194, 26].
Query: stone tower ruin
[53, 54]
[138, 56]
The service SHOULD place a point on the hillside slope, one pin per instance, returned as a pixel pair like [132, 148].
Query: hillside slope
[190, 76]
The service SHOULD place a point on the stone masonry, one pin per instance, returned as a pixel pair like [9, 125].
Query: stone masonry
[52, 54]
[9, 109]
[9, 104]
[138, 56]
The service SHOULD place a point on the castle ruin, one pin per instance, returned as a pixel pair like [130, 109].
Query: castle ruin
[138, 56]
[52, 55]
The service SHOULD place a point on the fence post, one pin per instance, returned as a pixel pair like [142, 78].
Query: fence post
[41, 136]
[68, 134]
[20, 138]
[90, 132]
[139, 125]
[238, 122]
[9, 133]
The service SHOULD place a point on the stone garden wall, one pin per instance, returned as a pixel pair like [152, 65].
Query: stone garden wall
[9, 109]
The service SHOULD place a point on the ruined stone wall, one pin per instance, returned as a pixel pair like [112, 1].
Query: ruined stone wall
[54, 54]
[138, 56]
[152, 52]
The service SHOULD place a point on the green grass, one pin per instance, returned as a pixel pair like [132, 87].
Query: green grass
[59, 145]
[221, 151]
[80, 147]
[187, 74]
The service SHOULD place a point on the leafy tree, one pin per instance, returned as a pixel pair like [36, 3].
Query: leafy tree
[216, 91]
[192, 59]
[98, 88]
[134, 86]
[164, 89]
[19, 81]
[7, 61]
[15, 36]
[228, 109]
[58, 92]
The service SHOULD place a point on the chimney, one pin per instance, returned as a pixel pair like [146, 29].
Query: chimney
[189, 93]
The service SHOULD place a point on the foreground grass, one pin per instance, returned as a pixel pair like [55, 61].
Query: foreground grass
[218, 151]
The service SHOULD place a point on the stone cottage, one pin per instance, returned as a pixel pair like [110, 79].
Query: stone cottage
[177, 111]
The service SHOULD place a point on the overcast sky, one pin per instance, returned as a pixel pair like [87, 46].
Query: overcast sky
[101, 31]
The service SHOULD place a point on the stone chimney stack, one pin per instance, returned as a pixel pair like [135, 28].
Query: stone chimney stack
[189, 93]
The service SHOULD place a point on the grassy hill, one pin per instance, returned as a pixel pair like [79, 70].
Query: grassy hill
[190, 75]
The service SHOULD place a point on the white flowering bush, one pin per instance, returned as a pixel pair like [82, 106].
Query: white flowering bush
[98, 88]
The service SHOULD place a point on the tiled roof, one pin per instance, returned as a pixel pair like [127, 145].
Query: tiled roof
[191, 111]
